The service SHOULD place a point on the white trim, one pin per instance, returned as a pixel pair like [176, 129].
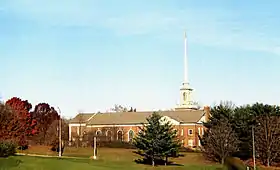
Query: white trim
[166, 119]
[100, 126]
[98, 131]
[202, 119]
[128, 134]
[91, 116]
[190, 142]
[118, 134]
[188, 124]
[70, 135]
[76, 124]
[132, 125]
[189, 131]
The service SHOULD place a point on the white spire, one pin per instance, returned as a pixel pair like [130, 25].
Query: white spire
[185, 59]
[186, 101]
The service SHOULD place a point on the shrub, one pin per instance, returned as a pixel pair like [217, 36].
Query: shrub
[7, 148]
[234, 164]
[23, 145]
[55, 146]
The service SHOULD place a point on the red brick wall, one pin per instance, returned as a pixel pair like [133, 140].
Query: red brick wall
[184, 135]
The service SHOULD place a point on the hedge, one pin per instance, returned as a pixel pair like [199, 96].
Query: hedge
[7, 148]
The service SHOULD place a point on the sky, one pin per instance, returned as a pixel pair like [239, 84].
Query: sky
[87, 55]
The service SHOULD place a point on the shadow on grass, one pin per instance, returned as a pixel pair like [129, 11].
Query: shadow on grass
[9, 162]
[146, 161]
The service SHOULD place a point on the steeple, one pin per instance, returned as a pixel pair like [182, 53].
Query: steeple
[186, 101]
[185, 59]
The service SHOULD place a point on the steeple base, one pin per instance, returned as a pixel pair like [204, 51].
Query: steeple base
[187, 107]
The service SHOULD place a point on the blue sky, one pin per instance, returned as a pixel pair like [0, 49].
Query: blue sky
[89, 55]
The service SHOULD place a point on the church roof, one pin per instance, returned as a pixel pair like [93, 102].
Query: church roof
[125, 118]
[82, 118]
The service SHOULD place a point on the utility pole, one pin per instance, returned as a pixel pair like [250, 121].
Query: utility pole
[60, 146]
[254, 151]
[94, 148]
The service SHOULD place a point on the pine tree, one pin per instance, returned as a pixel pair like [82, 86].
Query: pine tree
[157, 139]
[170, 143]
[220, 139]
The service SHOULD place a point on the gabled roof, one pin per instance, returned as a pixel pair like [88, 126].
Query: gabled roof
[125, 118]
[82, 118]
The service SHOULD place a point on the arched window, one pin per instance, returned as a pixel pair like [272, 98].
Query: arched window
[120, 135]
[109, 135]
[130, 135]
[184, 96]
[98, 133]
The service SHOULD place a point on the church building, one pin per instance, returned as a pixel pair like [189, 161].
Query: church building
[186, 117]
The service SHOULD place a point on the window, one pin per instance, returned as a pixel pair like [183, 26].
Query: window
[184, 96]
[190, 132]
[199, 131]
[182, 132]
[130, 135]
[109, 135]
[120, 136]
[190, 143]
[98, 133]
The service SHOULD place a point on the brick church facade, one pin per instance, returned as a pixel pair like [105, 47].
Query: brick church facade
[123, 126]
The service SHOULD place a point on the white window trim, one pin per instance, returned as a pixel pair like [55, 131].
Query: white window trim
[128, 134]
[189, 131]
[118, 134]
[98, 131]
[190, 141]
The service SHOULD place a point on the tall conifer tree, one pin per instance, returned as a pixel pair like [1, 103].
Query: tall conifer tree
[157, 139]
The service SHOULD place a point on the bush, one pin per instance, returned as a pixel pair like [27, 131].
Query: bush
[7, 148]
[23, 145]
[55, 146]
[234, 164]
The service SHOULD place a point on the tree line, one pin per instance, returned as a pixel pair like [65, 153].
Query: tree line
[23, 125]
[231, 130]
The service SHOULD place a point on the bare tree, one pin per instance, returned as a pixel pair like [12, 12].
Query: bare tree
[119, 108]
[219, 141]
[267, 135]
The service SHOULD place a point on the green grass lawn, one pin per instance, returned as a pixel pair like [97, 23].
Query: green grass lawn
[108, 159]
[38, 163]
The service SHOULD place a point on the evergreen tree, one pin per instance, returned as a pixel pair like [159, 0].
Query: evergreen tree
[170, 143]
[157, 139]
[220, 139]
